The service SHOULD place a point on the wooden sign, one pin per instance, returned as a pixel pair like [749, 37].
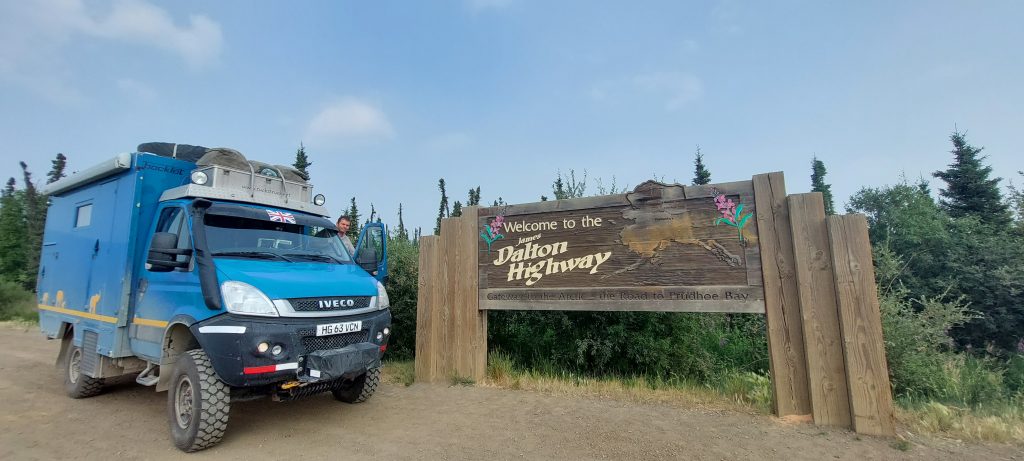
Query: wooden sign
[661, 247]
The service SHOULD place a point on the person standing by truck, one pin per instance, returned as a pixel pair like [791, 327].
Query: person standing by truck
[344, 222]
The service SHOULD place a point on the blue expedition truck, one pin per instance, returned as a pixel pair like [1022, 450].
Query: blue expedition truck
[212, 277]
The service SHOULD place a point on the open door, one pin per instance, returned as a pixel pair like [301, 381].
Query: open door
[372, 250]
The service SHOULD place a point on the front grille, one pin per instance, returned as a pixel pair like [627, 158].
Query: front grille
[311, 342]
[332, 303]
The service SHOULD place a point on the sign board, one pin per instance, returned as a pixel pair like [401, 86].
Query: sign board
[660, 247]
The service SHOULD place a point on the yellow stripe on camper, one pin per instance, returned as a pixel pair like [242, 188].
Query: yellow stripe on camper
[88, 315]
[149, 322]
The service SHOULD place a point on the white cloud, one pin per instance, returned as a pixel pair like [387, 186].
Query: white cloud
[678, 88]
[33, 36]
[136, 89]
[348, 120]
[198, 44]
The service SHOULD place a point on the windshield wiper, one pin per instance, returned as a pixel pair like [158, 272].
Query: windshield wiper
[253, 254]
[317, 257]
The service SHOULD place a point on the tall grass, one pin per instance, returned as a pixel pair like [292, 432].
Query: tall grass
[744, 391]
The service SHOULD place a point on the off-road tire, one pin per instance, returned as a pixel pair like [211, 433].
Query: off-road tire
[360, 389]
[198, 403]
[76, 384]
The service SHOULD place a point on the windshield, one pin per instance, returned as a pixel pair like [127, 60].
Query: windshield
[234, 236]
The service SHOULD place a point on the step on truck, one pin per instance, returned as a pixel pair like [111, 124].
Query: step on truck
[212, 277]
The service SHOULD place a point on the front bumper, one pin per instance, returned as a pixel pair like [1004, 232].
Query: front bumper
[231, 343]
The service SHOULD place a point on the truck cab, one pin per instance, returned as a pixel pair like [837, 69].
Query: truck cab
[213, 278]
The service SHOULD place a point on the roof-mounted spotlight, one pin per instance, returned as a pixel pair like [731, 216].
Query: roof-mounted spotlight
[200, 178]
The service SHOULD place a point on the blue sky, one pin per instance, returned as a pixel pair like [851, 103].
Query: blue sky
[389, 96]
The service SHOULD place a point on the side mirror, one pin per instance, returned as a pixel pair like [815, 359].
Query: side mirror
[163, 251]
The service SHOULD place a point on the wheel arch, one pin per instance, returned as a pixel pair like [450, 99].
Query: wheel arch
[178, 339]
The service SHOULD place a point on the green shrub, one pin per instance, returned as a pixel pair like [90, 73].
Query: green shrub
[1013, 377]
[16, 303]
[973, 381]
[402, 285]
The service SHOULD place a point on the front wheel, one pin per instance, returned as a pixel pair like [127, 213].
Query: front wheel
[360, 389]
[76, 384]
[198, 403]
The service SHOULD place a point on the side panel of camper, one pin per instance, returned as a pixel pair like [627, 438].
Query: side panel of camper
[90, 246]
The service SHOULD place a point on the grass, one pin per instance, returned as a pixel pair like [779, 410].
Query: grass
[746, 392]
[399, 372]
[1002, 422]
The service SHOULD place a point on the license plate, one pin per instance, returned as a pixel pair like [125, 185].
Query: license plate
[328, 329]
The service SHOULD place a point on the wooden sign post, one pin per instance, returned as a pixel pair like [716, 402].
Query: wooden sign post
[739, 247]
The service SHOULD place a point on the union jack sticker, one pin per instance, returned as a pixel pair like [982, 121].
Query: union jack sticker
[278, 216]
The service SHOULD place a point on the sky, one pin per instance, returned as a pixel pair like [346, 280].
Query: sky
[389, 96]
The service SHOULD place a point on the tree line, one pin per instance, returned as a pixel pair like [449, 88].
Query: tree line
[949, 266]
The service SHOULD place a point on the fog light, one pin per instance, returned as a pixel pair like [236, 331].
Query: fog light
[262, 347]
[277, 349]
[200, 178]
[319, 200]
[380, 336]
[387, 331]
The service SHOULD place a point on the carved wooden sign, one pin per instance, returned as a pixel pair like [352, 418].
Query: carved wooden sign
[660, 247]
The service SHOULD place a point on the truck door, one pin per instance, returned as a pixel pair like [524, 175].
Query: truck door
[161, 293]
[373, 246]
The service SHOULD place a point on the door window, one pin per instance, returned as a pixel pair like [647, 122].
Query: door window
[172, 219]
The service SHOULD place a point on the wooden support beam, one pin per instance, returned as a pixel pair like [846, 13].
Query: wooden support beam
[473, 320]
[782, 304]
[861, 324]
[826, 369]
[427, 321]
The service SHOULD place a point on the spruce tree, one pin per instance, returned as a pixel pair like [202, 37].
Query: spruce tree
[13, 245]
[442, 211]
[969, 191]
[302, 162]
[401, 232]
[474, 197]
[818, 184]
[701, 175]
[35, 219]
[457, 209]
[353, 212]
[57, 171]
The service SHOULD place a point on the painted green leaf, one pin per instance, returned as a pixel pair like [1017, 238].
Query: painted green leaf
[743, 220]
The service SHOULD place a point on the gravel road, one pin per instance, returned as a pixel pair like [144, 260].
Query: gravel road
[432, 422]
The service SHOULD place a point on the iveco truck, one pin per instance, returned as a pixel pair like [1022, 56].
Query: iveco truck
[212, 277]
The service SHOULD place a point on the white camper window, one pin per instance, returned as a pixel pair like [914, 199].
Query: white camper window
[83, 215]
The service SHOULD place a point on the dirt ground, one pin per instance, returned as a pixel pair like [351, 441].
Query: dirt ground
[433, 422]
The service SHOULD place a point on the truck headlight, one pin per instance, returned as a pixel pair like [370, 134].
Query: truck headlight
[382, 297]
[242, 298]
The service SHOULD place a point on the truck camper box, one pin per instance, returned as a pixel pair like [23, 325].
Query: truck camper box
[88, 257]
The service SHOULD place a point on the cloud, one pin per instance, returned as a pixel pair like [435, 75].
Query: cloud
[346, 121]
[34, 35]
[678, 88]
[198, 44]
